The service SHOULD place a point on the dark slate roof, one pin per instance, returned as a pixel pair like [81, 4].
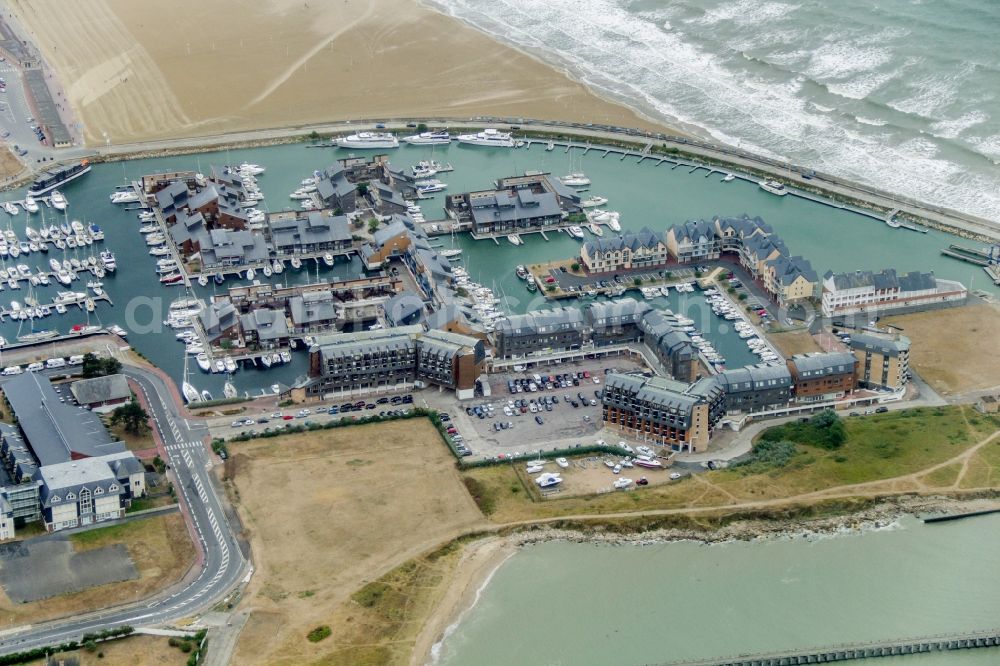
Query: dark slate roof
[617, 312]
[313, 306]
[760, 376]
[645, 238]
[404, 308]
[884, 280]
[541, 321]
[524, 205]
[880, 344]
[100, 389]
[821, 364]
[269, 324]
[55, 431]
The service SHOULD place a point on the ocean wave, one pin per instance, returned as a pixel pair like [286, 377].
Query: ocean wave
[693, 76]
[871, 121]
[950, 129]
[745, 13]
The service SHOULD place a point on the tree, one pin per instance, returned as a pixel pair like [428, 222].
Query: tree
[372, 225]
[637, 281]
[422, 127]
[575, 266]
[91, 365]
[132, 416]
[314, 136]
[362, 189]
[99, 367]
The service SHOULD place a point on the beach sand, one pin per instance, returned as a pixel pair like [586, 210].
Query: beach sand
[137, 70]
[480, 560]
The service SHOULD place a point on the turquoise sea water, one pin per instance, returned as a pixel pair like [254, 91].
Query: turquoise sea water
[646, 195]
[901, 94]
[581, 604]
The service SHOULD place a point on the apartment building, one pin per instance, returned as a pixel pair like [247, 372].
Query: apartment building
[755, 388]
[883, 362]
[822, 376]
[558, 329]
[677, 414]
[384, 358]
[630, 251]
[60, 464]
[878, 294]
[615, 322]
[694, 241]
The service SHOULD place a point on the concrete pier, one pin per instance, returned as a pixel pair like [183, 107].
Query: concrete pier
[942, 643]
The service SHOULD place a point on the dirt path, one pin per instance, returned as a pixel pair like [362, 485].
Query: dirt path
[907, 483]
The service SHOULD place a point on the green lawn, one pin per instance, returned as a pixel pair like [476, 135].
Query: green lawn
[878, 446]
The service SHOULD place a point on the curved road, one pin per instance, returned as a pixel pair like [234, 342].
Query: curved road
[222, 562]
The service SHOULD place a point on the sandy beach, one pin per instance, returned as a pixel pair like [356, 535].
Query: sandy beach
[479, 561]
[135, 70]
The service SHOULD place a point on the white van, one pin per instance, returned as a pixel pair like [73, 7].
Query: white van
[12, 370]
[35, 367]
[55, 363]
[76, 360]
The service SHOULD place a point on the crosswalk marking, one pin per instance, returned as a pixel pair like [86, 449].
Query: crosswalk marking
[182, 446]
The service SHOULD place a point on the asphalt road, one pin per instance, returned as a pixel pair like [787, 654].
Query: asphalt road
[222, 566]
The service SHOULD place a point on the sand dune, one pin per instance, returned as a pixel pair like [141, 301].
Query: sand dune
[137, 69]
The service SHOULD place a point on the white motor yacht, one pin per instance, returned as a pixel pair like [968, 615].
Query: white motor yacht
[488, 137]
[593, 202]
[429, 138]
[774, 187]
[368, 140]
[575, 232]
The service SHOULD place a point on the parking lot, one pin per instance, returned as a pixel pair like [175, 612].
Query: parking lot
[524, 420]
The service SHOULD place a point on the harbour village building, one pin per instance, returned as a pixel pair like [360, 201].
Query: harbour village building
[59, 463]
[755, 388]
[518, 203]
[677, 414]
[879, 294]
[821, 377]
[630, 251]
[384, 358]
[559, 329]
[883, 362]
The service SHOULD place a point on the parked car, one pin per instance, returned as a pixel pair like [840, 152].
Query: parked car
[539, 420]
[881, 410]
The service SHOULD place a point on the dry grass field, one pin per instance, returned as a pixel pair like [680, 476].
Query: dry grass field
[132, 651]
[137, 69]
[330, 511]
[161, 551]
[794, 342]
[954, 350]
[10, 166]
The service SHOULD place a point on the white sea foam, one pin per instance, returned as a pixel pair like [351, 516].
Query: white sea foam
[693, 74]
[837, 60]
[951, 128]
[871, 121]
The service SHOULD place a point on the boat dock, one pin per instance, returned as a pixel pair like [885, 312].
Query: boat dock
[972, 255]
[22, 203]
[646, 154]
[81, 302]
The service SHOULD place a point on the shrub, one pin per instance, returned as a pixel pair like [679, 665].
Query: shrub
[319, 633]
[575, 266]
[637, 281]
[825, 430]
[767, 455]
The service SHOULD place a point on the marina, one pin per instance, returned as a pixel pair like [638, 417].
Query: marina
[627, 185]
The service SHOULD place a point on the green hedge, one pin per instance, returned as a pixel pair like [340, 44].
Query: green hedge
[43, 652]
